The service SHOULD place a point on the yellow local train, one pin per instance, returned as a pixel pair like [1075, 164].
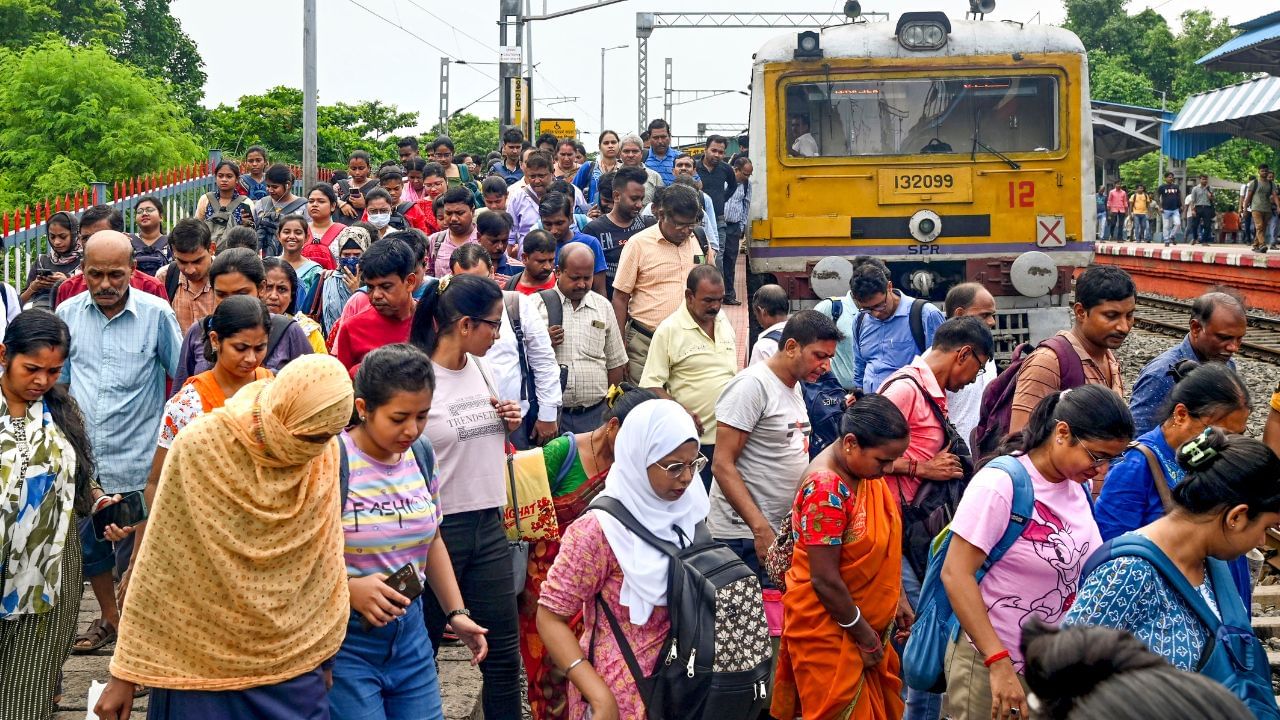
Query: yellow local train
[951, 150]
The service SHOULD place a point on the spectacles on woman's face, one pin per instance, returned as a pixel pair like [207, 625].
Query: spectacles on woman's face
[676, 469]
[496, 325]
[1099, 461]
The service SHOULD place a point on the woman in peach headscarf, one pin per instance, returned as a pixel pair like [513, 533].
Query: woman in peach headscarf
[240, 593]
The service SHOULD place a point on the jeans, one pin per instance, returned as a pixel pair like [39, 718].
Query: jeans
[709, 451]
[1115, 226]
[732, 238]
[477, 546]
[1102, 226]
[386, 673]
[745, 548]
[1140, 228]
[920, 705]
[1200, 227]
[1171, 220]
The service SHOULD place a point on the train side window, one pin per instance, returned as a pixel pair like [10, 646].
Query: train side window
[908, 116]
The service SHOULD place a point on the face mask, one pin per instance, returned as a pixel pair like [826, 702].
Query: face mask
[379, 220]
[349, 263]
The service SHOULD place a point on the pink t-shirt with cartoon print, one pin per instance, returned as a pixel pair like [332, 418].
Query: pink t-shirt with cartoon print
[1040, 574]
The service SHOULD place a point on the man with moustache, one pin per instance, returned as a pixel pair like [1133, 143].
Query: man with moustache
[1105, 299]
[587, 342]
[124, 343]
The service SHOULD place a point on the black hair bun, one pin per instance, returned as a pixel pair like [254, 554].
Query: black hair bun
[1203, 450]
[1182, 368]
[1066, 664]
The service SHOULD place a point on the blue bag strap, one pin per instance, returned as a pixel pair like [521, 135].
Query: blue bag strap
[1134, 545]
[569, 457]
[425, 456]
[1020, 509]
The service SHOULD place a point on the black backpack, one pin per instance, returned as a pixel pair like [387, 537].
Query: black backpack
[824, 399]
[715, 661]
[150, 258]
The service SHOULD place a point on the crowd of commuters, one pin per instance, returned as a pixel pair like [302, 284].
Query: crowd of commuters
[326, 404]
[1248, 214]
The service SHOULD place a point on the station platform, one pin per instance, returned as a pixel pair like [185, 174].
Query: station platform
[1187, 271]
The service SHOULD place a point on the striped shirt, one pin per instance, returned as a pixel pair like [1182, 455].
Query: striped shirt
[390, 516]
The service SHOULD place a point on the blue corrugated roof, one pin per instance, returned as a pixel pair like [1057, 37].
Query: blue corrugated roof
[1256, 31]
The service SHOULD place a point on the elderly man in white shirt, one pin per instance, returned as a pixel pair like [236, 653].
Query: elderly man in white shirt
[965, 405]
[770, 307]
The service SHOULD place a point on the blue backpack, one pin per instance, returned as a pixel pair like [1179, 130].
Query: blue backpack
[936, 626]
[1233, 656]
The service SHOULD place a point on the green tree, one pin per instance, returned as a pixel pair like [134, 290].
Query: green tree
[80, 22]
[274, 121]
[470, 134]
[1112, 80]
[76, 113]
[153, 40]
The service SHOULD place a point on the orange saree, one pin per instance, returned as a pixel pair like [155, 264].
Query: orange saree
[211, 395]
[820, 670]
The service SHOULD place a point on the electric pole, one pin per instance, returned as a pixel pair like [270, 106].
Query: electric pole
[310, 148]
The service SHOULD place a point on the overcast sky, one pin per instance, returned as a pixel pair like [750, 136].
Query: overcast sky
[364, 57]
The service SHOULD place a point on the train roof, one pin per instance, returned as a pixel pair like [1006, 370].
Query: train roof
[968, 37]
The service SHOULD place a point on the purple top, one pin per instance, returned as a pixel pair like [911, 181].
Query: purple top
[293, 344]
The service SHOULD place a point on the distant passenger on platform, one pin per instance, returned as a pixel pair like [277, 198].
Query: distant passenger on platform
[769, 306]
[508, 167]
[1200, 223]
[737, 211]
[1117, 209]
[1104, 306]
[964, 406]
[631, 153]
[1260, 200]
[1170, 208]
[1218, 325]
[192, 296]
[652, 272]
[50, 268]
[523, 202]
[625, 189]
[694, 355]
[1101, 198]
[253, 183]
[660, 158]
[460, 230]
[556, 215]
[875, 319]
[1138, 203]
[587, 179]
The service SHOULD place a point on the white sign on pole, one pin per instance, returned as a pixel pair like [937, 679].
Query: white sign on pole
[510, 54]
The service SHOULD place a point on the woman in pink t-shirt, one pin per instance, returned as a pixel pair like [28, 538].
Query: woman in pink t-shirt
[1069, 439]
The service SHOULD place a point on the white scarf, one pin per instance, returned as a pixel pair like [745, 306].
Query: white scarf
[652, 430]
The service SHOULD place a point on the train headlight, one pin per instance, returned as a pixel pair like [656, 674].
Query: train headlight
[923, 31]
[925, 226]
[807, 46]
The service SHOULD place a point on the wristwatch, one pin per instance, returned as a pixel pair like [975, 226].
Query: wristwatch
[449, 616]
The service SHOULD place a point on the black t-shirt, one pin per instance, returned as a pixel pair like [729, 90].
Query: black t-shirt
[1170, 197]
[612, 238]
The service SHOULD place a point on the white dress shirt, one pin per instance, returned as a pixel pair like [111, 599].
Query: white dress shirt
[503, 362]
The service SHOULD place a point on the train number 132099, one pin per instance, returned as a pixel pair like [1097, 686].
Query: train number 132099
[937, 181]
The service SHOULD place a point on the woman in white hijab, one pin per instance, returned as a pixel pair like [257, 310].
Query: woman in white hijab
[655, 476]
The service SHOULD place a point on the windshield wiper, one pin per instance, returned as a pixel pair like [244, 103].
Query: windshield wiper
[979, 144]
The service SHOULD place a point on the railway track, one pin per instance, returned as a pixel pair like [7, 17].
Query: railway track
[1262, 342]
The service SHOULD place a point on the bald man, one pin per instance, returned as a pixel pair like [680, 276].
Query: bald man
[124, 343]
[584, 332]
[964, 406]
[770, 307]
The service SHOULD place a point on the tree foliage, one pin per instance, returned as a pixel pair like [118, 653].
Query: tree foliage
[470, 134]
[142, 33]
[75, 114]
[274, 121]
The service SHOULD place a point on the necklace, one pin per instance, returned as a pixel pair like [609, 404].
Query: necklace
[24, 449]
[595, 453]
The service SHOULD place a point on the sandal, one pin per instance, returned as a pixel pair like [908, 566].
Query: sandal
[99, 635]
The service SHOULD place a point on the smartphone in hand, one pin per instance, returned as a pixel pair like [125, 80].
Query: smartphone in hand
[131, 510]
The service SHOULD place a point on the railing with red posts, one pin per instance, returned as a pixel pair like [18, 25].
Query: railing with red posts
[179, 189]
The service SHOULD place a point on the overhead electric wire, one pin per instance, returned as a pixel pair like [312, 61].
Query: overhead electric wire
[420, 39]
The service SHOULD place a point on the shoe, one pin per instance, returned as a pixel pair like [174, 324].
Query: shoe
[1259, 248]
[732, 301]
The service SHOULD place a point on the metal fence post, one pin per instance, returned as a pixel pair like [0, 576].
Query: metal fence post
[215, 157]
[99, 193]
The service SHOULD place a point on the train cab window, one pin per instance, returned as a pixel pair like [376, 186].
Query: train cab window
[950, 115]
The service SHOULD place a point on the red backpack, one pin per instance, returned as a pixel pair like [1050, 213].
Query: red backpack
[997, 399]
[318, 251]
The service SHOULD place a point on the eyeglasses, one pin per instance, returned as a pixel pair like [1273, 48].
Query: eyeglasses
[495, 324]
[1099, 461]
[675, 470]
[874, 309]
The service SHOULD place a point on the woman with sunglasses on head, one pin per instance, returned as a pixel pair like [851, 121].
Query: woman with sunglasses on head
[845, 578]
[1137, 491]
[456, 322]
[1068, 441]
[655, 476]
[1221, 509]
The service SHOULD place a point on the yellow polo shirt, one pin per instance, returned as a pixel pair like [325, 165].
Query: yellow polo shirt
[693, 368]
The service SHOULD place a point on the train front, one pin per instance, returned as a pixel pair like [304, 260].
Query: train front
[951, 150]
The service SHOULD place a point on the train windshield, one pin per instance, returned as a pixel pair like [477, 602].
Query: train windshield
[909, 116]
